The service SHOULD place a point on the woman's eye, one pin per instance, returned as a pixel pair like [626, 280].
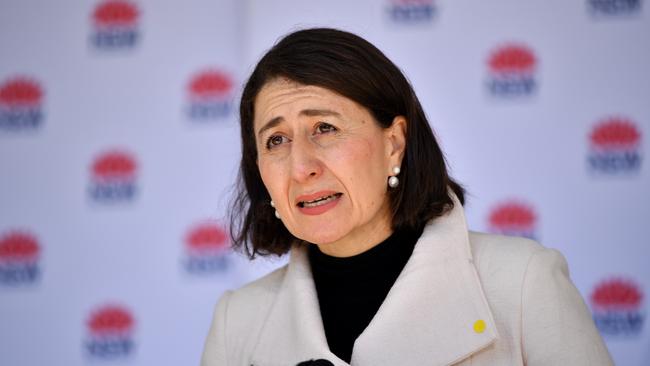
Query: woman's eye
[275, 140]
[325, 128]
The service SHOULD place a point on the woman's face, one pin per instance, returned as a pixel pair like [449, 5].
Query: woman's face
[325, 162]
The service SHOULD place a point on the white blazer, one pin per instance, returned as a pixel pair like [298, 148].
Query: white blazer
[463, 298]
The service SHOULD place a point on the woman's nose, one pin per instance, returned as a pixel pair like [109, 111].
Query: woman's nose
[305, 162]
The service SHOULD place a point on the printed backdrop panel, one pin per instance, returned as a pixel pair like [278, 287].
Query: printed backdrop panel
[119, 148]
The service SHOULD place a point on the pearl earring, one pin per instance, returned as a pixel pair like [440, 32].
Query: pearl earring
[393, 181]
[277, 214]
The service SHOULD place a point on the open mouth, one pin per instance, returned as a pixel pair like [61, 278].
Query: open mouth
[320, 201]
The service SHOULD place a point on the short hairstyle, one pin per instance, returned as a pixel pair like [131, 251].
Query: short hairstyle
[352, 67]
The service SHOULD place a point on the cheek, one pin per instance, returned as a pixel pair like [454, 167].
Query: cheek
[369, 158]
[270, 175]
[354, 151]
[360, 165]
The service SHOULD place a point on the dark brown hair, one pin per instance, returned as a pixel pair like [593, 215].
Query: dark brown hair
[348, 65]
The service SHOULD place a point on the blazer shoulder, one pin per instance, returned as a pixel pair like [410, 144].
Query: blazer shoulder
[502, 263]
[255, 298]
[238, 318]
[492, 249]
[533, 299]
[505, 263]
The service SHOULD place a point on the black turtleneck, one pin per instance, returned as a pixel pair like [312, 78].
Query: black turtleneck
[350, 290]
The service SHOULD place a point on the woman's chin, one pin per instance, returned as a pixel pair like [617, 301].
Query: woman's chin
[320, 236]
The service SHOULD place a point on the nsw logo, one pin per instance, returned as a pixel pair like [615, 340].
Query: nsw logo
[608, 8]
[113, 177]
[617, 307]
[19, 258]
[614, 147]
[21, 100]
[115, 25]
[513, 218]
[109, 333]
[412, 11]
[210, 96]
[511, 71]
[206, 249]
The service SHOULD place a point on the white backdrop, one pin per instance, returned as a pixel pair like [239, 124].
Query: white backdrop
[119, 146]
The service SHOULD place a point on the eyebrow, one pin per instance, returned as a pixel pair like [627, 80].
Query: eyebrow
[273, 122]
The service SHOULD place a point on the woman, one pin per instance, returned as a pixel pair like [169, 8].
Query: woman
[341, 168]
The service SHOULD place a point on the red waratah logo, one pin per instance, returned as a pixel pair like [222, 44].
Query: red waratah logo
[113, 177]
[513, 218]
[615, 133]
[19, 255]
[21, 99]
[19, 247]
[115, 13]
[512, 59]
[512, 70]
[115, 25]
[206, 247]
[616, 293]
[614, 145]
[210, 95]
[211, 84]
[114, 165]
[111, 320]
[207, 237]
[110, 332]
[21, 92]
[617, 305]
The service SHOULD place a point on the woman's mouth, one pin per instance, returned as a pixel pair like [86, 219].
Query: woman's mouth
[319, 201]
[319, 204]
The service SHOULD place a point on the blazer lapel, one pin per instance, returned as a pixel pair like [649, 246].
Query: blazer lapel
[436, 312]
[294, 332]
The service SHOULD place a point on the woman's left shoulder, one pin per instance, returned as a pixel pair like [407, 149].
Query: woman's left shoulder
[508, 254]
[496, 246]
[532, 299]
[507, 266]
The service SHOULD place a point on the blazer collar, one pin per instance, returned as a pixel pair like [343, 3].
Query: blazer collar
[436, 312]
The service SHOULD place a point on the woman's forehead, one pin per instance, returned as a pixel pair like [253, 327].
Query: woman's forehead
[287, 98]
[284, 91]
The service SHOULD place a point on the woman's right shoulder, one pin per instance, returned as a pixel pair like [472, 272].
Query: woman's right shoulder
[239, 316]
[250, 303]
[258, 293]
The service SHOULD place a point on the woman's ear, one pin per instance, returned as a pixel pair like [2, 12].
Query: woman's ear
[396, 135]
